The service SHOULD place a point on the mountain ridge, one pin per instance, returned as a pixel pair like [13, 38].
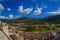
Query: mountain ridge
[49, 19]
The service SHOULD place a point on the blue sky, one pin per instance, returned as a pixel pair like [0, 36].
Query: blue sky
[29, 8]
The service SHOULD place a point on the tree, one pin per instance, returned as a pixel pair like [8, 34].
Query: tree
[30, 28]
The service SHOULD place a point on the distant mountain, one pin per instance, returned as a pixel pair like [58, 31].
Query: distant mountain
[22, 20]
[52, 19]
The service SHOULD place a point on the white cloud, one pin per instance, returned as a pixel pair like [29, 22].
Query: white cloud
[11, 16]
[55, 12]
[38, 11]
[20, 9]
[1, 7]
[3, 17]
[25, 11]
[28, 10]
[8, 9]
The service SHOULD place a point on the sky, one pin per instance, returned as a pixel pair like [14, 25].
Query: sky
[10, 9]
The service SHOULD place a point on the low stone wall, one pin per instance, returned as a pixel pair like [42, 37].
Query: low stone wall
[36, 35]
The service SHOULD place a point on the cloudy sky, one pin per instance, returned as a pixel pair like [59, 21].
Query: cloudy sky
[29, 8]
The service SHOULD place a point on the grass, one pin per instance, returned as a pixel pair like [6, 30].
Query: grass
[43, 28]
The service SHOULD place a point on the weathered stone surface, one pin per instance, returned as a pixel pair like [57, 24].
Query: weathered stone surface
[3, 36]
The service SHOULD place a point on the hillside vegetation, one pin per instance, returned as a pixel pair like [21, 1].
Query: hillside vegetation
[35, 24]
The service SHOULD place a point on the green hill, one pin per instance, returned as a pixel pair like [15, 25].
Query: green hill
[50, 19]
[23, 20]
[55, 19]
